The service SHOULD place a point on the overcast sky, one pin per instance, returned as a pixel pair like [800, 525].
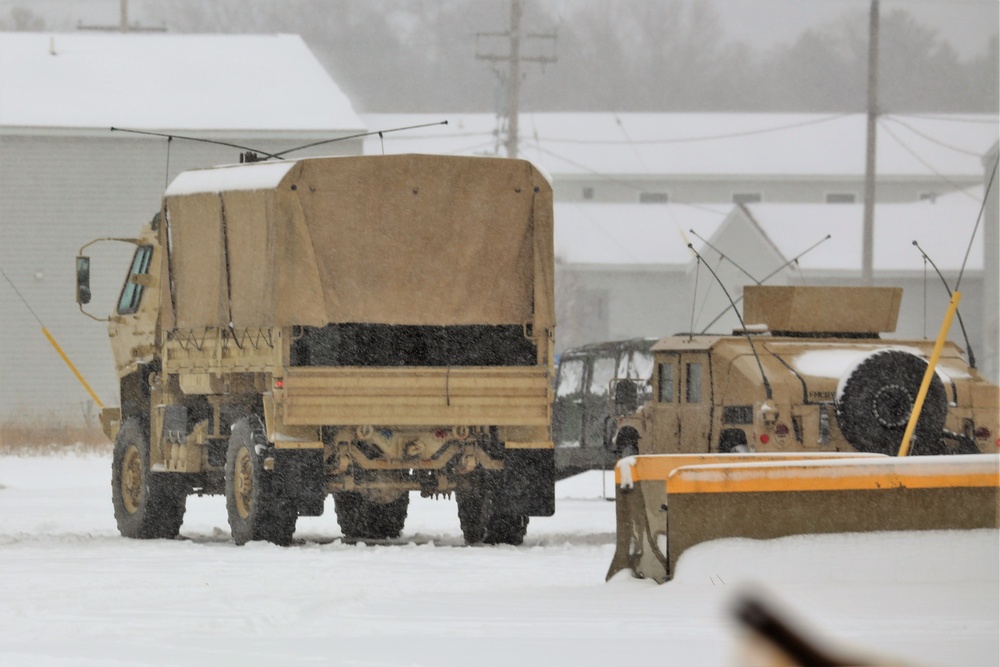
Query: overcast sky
[966, 24]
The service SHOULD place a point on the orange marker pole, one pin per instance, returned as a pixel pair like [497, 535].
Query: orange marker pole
[904, 447]
[73, 368]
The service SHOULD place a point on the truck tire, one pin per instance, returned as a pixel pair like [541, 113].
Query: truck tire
[874, 403]
[362, 518]
[482, 520]
[148, 505]
[255, 511]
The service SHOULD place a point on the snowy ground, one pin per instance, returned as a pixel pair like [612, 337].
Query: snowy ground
[72, 592]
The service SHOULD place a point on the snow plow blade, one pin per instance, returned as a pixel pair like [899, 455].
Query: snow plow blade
[765, 496]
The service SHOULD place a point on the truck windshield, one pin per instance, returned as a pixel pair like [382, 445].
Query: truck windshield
[131, 295]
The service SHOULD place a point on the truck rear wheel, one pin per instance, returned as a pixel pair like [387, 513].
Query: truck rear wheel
[362, 518]
[482, 517]
[255, 511]
[148, 505]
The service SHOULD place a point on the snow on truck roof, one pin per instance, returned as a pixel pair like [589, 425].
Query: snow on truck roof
[162, 81]
[259, 176]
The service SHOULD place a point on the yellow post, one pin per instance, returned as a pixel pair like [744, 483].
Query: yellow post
[69, 363]
[904, 447]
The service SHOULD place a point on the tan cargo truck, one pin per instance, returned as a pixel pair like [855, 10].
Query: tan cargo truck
[810, 373]
[357, 326]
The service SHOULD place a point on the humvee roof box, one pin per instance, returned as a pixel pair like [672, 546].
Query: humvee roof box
[824, 310]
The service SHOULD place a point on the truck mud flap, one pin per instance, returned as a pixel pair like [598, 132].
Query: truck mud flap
[645, 511]
[529, 481]
[299, 477]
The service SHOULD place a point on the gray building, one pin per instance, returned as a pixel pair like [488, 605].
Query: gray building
[66, 179]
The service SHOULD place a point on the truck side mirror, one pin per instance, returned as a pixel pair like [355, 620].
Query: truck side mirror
[626, 397]
[82, 280]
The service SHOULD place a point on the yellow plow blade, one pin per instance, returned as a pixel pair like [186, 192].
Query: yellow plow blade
[762, 496]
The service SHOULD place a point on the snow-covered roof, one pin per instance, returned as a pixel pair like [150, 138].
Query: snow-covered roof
[632, 234]
[942, 228]
[657, 235]
[686, 145]
[165, 81]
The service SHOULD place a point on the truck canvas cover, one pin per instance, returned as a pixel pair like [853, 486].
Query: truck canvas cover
[403, 240]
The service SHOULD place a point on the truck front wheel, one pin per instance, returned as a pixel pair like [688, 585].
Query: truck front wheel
[255, 511]
[148, 505]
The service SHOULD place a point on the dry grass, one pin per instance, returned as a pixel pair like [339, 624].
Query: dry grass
[39, 434]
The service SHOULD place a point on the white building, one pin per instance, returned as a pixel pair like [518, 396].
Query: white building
[626, 271]
[659, 158]
[66, 179]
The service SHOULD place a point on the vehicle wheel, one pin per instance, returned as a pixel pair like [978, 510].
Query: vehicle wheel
[148, 505]
[255, 511]
[481, 520]
[875, 400]
[362, 518]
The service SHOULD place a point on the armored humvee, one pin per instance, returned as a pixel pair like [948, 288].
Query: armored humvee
[810, 373]
[356, 326]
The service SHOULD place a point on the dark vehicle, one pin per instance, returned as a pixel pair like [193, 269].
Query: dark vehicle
[580, 411]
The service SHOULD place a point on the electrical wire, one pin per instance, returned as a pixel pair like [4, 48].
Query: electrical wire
[924, 162]
[931, 139]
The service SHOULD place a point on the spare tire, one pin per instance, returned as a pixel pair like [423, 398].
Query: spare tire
[875, 399]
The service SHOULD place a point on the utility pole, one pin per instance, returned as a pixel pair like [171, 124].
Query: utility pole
[514, 60]
[868, 242]
[123, 25]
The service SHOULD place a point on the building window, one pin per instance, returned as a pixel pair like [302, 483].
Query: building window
[588, 193]
[747, 197]
[653, 198]
[840, 198]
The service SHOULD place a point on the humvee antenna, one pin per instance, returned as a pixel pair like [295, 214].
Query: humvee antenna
[961, 324]
[728, 259]
[766, 278]
[753, 348]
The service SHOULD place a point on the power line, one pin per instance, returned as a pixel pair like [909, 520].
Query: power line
[924, 162]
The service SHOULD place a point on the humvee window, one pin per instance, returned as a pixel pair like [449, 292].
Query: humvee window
[570, 377]
[665, 388]
[131, 295]
[693, 394]
[601, 375]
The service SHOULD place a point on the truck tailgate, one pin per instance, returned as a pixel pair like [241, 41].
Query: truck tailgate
[501, 396]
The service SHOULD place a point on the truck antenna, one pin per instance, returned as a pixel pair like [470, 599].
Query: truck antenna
[961, 324]
[358, 136]
[256, 153]
[765, 279]
[753, 348]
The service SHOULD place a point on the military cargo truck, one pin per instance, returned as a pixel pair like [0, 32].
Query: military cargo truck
[810, 373]
[356, 326]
